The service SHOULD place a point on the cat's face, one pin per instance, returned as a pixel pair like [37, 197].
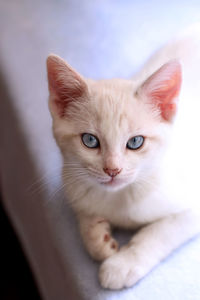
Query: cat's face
[109, 135]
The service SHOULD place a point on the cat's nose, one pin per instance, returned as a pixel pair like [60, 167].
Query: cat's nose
[112, 172]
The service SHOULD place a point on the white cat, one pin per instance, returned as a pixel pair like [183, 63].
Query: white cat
[125, 163]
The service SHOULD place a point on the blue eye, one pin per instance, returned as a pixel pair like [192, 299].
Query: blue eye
[90, 140]
[135, 143]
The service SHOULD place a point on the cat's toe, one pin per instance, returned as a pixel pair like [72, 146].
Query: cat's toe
[110, 248]
[104, 248]
[117, 273]
[110, 277]
[110, 243]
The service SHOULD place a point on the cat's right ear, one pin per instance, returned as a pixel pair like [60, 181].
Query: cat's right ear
[65, 85]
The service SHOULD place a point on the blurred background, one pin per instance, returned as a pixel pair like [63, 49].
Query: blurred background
[99, 38]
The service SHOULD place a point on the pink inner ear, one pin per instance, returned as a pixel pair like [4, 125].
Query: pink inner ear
[66, 92]
[65, 84]
[163, 88]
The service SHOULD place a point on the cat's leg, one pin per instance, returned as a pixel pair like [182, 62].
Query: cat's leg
[97, 238]
[147, 248]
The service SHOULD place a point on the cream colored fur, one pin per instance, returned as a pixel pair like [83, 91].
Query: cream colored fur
[157, 190]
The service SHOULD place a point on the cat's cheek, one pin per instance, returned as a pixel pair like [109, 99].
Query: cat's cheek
[84, 155]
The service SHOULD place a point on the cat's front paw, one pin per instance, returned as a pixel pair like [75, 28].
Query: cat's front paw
[119, 271]
[99, 242]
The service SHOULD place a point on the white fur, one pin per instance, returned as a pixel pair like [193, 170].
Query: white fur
[158, 185]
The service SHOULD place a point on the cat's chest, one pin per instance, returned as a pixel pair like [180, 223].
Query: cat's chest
[131, 213]
[127, 209]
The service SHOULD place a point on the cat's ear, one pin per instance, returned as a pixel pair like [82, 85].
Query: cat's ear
[65, 85]
[162, 89]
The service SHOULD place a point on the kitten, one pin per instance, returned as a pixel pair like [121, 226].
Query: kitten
[120, 168]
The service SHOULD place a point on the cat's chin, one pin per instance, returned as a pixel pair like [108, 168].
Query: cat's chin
[114, 184]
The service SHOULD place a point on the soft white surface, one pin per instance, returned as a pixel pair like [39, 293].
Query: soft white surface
[100, 39]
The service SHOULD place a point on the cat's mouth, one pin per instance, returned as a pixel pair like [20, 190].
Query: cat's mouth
[109, 182]
[114, 183]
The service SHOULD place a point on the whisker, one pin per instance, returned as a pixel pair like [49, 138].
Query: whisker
[41, 184]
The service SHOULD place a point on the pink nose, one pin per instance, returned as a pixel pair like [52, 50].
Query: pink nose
[112, 172]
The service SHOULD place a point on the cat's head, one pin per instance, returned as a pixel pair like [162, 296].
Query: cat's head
[111, 132]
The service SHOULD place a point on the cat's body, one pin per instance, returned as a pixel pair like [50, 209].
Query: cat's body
[128, 172]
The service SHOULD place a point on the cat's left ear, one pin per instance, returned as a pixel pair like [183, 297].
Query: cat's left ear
[162, 89]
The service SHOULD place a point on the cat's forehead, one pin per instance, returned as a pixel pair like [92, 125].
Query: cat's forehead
[111, 87]
[111, 97]
[115, 101]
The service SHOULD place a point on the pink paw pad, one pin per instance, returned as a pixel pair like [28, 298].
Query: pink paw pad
[106, 237]
[114, 245]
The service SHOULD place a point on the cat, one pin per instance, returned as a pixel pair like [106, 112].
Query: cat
[124, 159]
